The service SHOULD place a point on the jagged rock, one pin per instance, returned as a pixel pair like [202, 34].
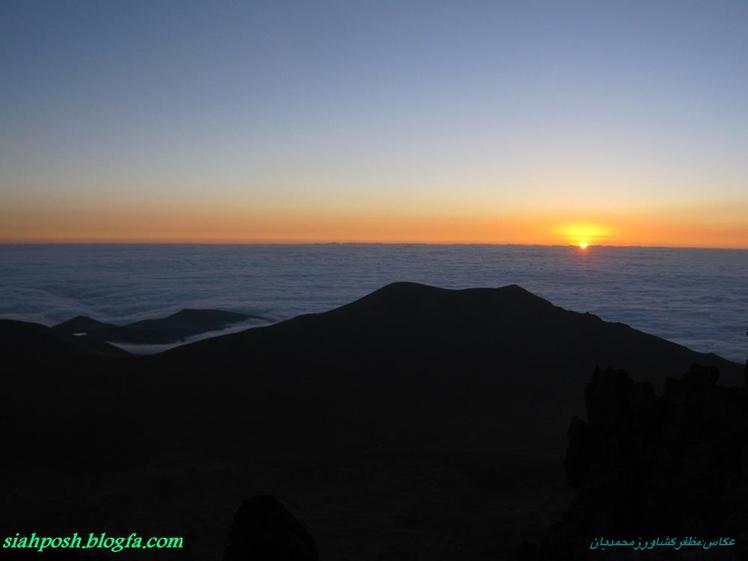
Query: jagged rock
[265, 530]
[698, 378]
[649, 465]
[579, 454]
[621, 414]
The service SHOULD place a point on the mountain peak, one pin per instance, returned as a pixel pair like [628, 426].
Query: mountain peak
[81, 324]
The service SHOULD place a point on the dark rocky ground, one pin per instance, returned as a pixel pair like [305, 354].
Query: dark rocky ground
[415, 423]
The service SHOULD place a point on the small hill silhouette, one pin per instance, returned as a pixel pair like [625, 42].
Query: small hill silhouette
[23, 342]
[171, 329]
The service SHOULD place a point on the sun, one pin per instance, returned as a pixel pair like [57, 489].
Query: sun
[584, 235]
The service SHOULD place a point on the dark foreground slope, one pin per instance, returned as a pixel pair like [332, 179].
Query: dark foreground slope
[415, 421]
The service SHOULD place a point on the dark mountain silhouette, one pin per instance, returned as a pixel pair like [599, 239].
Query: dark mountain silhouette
[414, 420]
[172, 329]
[507, 324]
[503, 365]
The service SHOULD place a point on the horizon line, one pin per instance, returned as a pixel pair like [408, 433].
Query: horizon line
[383, 243]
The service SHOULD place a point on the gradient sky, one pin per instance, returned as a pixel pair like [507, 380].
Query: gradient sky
[505, 122]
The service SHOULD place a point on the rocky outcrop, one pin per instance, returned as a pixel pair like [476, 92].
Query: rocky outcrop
[649, 466]
[264, 529]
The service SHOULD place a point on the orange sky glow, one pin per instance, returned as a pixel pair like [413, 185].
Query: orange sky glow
[685, 228]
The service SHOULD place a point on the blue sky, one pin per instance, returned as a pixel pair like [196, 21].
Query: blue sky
[331, 112]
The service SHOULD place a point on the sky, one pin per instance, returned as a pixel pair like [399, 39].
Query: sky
[619, 123]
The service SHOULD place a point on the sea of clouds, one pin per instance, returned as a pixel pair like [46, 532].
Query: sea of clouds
[695, 297]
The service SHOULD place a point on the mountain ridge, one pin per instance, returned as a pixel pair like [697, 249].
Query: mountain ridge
[170, 329]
